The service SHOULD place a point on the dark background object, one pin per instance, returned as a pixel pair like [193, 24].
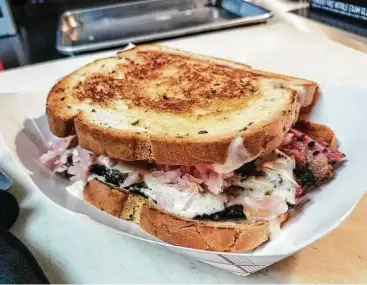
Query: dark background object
[356, 9]
[344, 23]
[17, 264]
[37, 25]
[9, 210]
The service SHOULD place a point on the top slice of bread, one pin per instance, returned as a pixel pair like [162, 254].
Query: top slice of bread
[174, 107]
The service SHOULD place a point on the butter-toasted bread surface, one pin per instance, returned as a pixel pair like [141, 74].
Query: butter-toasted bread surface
[174, 107]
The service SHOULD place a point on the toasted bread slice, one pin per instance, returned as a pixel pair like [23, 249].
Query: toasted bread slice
[306, 89]
[231, 236]
[156, 103]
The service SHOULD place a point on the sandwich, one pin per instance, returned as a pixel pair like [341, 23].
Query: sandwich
[200, 152]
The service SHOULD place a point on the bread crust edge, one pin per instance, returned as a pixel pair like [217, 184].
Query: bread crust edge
[123, 145]
[197, 234]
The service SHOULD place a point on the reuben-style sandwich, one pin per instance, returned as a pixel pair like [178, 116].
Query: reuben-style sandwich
[200, 152]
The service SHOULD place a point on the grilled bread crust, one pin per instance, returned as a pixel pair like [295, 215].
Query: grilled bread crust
[231, 236]
[174, 107]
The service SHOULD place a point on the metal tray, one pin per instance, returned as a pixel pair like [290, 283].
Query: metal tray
[140, 21]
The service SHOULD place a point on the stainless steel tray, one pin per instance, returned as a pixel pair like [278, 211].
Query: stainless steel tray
[140, 21]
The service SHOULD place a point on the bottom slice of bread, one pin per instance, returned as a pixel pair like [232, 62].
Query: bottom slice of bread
[230, 236]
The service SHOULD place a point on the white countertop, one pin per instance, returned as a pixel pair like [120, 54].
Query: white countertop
[73, 251]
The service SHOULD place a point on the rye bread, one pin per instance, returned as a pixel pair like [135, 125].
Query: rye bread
[174, 107]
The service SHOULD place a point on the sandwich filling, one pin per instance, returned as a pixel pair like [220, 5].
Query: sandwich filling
[237, 189]
[196, 191]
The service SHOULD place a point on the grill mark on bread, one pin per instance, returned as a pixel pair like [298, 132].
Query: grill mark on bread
[170, 83]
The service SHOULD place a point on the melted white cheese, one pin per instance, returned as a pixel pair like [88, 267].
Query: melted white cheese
[125, 167]
[236, 157]
[274, 228]
[95, 176]
[76, 189]
[277, 179]
[302, 94]
[183, 203]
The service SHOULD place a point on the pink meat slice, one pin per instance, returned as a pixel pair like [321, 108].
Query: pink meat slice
[319, 157]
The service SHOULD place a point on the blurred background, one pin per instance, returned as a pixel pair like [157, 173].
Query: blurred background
[34, 31]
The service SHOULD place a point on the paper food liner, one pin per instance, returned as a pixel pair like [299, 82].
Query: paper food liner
[25, 131]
